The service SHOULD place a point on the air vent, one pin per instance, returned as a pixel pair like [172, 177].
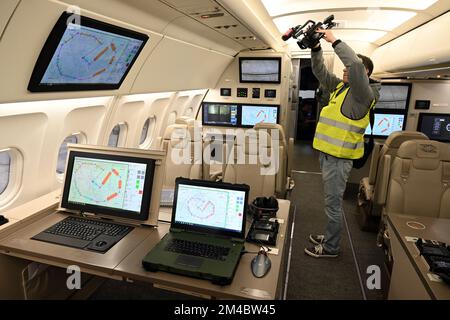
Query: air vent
[226, 26]
[212, 15]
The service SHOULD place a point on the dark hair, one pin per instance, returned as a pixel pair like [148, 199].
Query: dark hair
[367, 63]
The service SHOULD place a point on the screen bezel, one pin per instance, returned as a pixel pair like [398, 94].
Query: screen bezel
[53, 42]
[215, 185]
[95, 209]
[393, 112]
[408, 95]
[240, 111]
[242, 59]
[419, 123]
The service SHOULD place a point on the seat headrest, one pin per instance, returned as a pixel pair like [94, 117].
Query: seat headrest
[426, 155]
[269, 127]
[396, 138]
[183, 131]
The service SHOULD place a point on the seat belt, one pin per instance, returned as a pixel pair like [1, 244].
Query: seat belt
[406, 166]
[446, 174]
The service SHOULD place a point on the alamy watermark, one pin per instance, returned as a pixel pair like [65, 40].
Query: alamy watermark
[74, 280]
[189, 145]
[373, 281]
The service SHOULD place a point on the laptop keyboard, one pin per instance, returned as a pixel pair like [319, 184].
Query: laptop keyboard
[86, 229]
[198, 249]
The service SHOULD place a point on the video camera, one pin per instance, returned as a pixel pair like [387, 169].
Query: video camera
[306, 34]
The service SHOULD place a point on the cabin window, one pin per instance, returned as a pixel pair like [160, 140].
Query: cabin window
[62, 155]
[5, 170]
[118, 135]
[147, 133]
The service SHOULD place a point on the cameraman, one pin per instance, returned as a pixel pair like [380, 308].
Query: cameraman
[340, 133]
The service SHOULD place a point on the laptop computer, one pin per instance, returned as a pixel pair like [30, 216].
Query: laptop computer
[207, 231]
[106, 193]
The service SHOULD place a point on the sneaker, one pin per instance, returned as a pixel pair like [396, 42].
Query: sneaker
[319, 252]
[317, 239]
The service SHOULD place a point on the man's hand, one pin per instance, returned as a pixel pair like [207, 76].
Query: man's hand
[329, 36]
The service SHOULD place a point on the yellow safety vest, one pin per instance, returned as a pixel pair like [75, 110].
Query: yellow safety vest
[338, 135]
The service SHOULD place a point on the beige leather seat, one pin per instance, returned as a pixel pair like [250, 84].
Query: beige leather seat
[417, 184]
[248, 164]
[285, 154]
[369, 189]
[419, 181]
[182, 161]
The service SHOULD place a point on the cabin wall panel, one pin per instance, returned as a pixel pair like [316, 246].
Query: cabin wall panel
[28, 138]
[437, 92]
[176, 66]
[6, 10]
[37, 130]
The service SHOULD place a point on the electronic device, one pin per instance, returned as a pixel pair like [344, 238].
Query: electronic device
[437, 256]
[242, 92]
[435, 125]
[270, 93]
[3, 220]
[387, 123]
[238, 115]
[260, 69]
[220, 114]
[422, 104]
[260, 264]
[307, 34]
[89, 55]
[394, 96]
[253, 114]
[207, 231]
[263, 232]
[101, 184]
[225, 92]
[256, 93]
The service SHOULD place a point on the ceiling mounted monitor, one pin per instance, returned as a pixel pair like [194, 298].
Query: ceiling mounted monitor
[260, 70]
[85, 54]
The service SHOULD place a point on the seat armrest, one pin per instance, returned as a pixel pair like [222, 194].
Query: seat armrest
[383, 184]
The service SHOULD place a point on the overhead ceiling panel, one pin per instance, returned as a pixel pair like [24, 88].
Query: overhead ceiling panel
[282, 7]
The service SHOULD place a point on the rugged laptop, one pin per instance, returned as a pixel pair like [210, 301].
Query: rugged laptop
[207, 232]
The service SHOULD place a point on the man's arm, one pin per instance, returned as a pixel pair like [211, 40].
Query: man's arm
[357, 73]
[328, 80]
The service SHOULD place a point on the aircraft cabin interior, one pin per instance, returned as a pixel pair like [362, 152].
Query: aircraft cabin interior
[224, 149]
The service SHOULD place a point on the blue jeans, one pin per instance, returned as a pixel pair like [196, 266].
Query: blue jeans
[335, 173]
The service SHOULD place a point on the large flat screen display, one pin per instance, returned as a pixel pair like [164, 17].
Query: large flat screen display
[260, 70]
[109, 184]
[435, 125]
[85, 54]
[394, 96]
[253, 114]
[220, 114]
[387, 123]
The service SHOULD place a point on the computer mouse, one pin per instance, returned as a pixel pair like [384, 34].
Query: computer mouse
[260, 265]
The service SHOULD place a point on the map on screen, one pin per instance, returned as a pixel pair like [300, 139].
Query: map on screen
[385, 124]
[90, 56]
[211, 207]
[252, 115]
[106, 183]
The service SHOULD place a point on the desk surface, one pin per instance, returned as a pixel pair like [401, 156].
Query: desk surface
[124, 259]
[435, 229]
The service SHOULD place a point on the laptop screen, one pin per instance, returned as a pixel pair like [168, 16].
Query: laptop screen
[218, 208]
[109, 184]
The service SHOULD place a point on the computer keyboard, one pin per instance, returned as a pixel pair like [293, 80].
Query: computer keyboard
[84, 233]
[197, 249]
